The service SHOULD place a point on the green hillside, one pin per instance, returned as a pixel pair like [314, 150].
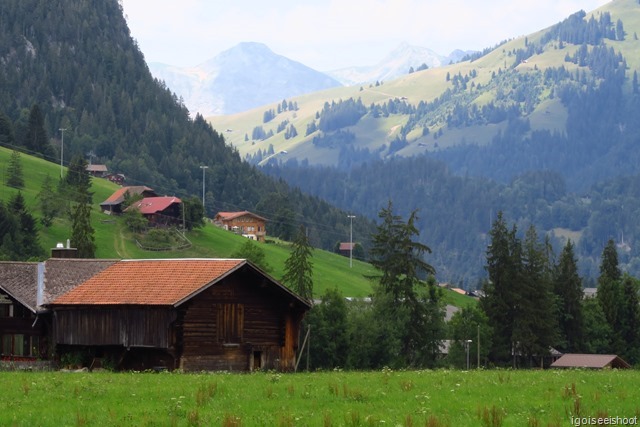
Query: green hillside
[545, 112]
[114, 241]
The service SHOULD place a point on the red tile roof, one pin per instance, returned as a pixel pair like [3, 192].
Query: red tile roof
[590, 361]
[151, 205]
[150, 282]
[347, 246]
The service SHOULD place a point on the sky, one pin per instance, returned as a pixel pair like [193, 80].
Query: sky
[333, 34]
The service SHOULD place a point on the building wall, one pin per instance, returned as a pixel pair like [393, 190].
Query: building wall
[238, 326]
[248, 224]
[21, 336]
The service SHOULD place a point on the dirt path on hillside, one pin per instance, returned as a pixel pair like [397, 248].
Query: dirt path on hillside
[120, 245]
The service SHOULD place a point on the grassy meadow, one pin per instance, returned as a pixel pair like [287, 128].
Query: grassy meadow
[392, 398]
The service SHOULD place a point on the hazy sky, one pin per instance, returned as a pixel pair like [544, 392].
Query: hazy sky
[331, 34]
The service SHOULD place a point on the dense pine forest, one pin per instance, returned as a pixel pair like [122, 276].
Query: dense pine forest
[73, 65]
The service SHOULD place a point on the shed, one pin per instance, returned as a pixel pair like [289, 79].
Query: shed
[192, 314]
[114, 203]
[25, 288]
[593, 361]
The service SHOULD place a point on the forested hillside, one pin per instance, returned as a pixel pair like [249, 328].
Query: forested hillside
[564, 106]
[72, 65]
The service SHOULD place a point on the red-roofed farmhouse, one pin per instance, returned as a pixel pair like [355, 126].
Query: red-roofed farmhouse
[160, 211]
[192, 314]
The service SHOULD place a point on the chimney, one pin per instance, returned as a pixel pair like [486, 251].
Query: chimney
[60, 251]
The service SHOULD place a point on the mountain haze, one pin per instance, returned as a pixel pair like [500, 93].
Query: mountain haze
[397, 63]
[543, 127]
[241, 78]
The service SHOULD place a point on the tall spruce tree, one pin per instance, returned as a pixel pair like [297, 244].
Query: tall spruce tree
[630, 319]
[25, 239]
[15, 177]
[567, 286]
[535, 325]
[397, 256]
[500, 300]
[48, 201]
[610, 295]
[77, 182]
[82, 233]
[407, 309]
[35, 138]
[7, 138]
[298, 268]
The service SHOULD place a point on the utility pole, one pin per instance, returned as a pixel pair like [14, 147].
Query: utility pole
[351, 240]
[478, 345]
[62, 150]
[203, 169]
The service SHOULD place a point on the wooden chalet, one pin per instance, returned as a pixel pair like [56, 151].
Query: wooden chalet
[246, 223]
[113, 205]
[98, 171]
[192, 314]
[25, 289]
[159, 211]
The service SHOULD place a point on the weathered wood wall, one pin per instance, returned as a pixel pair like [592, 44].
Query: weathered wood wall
[127, 326]
[239, 325]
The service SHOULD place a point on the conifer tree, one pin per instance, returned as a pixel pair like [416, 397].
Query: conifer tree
[398, 257]
[26, 237]
[298, 268]
[630, 319]
[610, 294]
[82, 233]
[410, 313]
[7, 138]
[15, 176]
[504, 261]
[568, 289]
[535, 325]
[36, 139]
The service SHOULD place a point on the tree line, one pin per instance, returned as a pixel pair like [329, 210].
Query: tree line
[533, 304]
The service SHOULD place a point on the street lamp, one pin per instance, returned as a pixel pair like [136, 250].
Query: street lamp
[466, 347]
[61, 150]
[203, 169]
[351, 240]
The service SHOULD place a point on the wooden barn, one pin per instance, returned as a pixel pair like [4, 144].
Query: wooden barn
[191, 314]
[160, 211]
[25, 289]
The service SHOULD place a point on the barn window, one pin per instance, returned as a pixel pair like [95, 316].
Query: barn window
[230, 322]
[20, 345]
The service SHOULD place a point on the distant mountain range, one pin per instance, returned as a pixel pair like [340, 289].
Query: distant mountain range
[239, 79]
[395, 64]
[251, 75]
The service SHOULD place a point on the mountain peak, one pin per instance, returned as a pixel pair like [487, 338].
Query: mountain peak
[229, 83]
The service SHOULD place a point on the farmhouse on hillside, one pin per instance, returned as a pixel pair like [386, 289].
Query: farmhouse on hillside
[191, 314]
[159, 211]
[25, 289]
[98, 171]
[113, 205]
[246, 223]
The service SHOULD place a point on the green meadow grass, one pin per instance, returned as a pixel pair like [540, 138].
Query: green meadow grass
[391, 398]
